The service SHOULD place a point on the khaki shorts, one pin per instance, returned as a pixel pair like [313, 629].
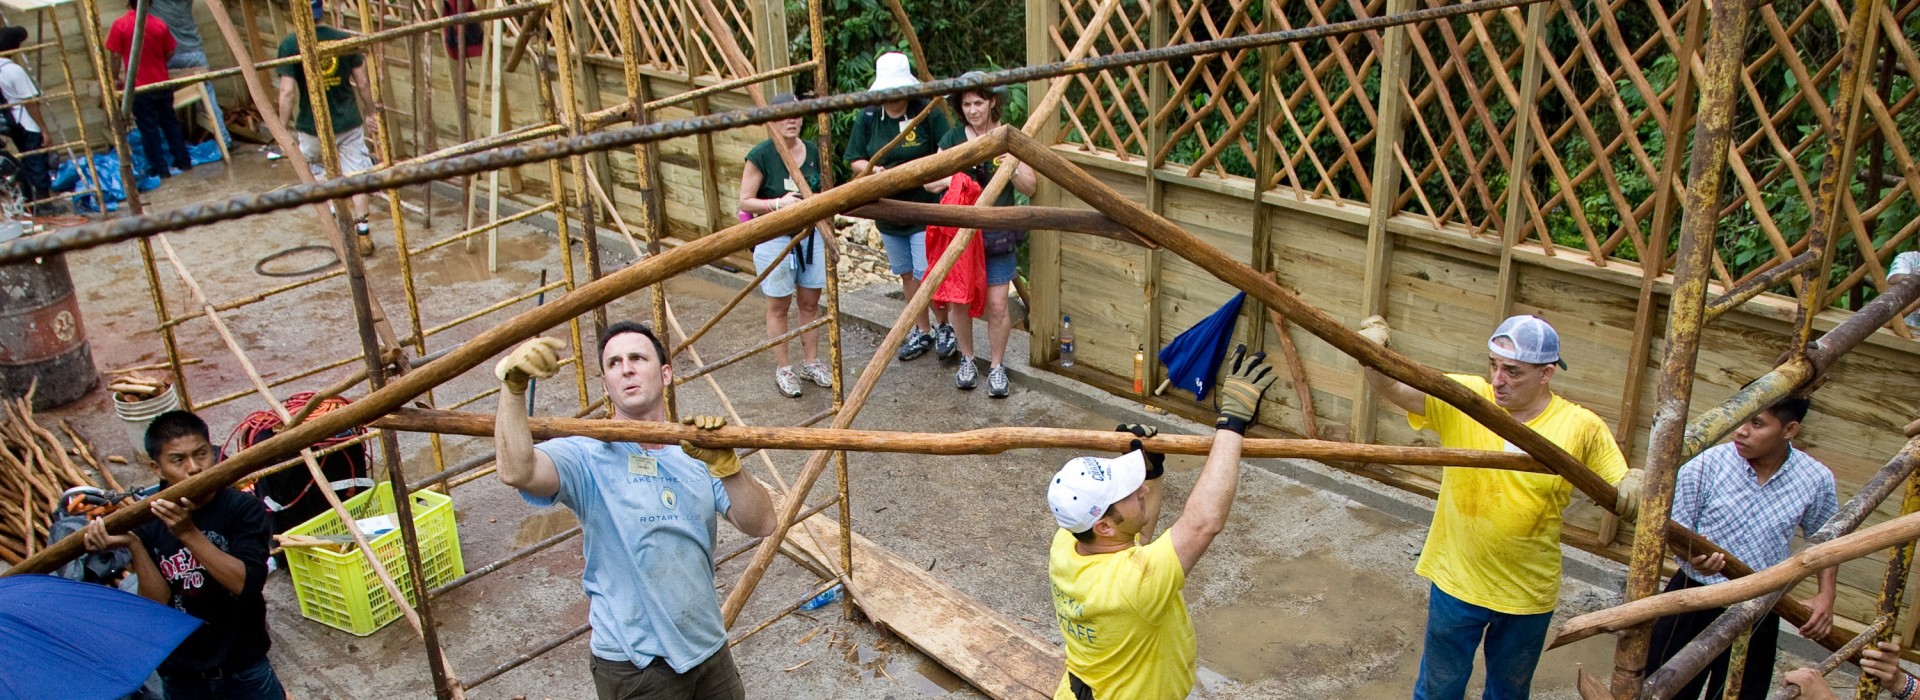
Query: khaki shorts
[351, 144]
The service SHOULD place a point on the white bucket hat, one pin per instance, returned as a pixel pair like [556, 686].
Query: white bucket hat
[1083, 489]
[893, 70]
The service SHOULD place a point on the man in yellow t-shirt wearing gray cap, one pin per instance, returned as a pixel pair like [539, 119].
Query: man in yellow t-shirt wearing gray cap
[1493, 553]
[1116, 594]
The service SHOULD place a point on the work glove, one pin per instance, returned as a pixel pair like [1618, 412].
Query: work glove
[538, 358]
[721, 461]
[1156, 462]
[1375, 328]
[1627, 505]
[1240, 393]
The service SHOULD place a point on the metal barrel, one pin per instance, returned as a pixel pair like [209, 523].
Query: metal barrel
[41, 338]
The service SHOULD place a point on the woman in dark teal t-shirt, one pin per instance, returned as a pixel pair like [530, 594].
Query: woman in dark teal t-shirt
[766, 185]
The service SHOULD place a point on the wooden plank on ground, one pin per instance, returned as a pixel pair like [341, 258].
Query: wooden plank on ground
[977, 643]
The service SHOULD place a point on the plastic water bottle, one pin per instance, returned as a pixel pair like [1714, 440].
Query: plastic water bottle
[824, 599]
[1066, 341]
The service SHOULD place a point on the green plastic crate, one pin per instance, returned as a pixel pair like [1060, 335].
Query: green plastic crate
[341, 590]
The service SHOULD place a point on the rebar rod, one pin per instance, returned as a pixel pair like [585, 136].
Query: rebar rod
[299, 195]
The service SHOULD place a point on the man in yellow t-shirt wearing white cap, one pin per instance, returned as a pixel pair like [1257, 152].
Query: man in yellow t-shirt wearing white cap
[1493, 553]
[1117, 596]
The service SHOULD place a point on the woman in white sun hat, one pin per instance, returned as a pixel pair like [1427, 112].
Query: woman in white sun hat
[905, 243]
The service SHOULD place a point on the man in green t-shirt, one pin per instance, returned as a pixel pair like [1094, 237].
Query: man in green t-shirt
[346, 89]
[906, 244]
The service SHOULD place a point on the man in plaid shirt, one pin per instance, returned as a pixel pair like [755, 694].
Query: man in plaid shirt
[1748, 495]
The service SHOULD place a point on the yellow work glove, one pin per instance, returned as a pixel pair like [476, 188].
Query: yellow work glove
[1375, 328]
[721, 462]
[538, 358]
[1627, 506]
[1240, 393]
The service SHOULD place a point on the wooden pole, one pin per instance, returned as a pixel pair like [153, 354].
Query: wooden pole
[1309, 424]
[1700, 215]
[500, 337]
[1784, 575]
[276, 124]
[1386, 184]
[971, 442]
[1869, 686]
[313, 466]
[1850, 515]
[1520, 174]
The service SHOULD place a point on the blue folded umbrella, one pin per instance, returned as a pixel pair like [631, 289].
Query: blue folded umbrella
[1193, 358]
[66, 639]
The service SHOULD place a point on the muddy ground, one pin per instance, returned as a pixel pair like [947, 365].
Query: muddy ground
[1308, 594]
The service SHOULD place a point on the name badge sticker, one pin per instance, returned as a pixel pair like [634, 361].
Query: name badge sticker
[643, 465]
[788, 183]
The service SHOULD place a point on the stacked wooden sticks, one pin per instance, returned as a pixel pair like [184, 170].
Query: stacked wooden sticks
[35, 468]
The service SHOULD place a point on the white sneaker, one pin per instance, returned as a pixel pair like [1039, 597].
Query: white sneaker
[997, 384]
[966, 375]
[787, 382]
[816, 371]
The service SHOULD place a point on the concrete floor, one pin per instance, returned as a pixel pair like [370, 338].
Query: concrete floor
[1307, 594]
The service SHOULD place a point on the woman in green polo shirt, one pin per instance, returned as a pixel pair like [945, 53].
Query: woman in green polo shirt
[982, 111]
[765, 185]
[906, 243]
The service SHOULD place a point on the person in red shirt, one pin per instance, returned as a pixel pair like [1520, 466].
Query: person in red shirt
[161, 136]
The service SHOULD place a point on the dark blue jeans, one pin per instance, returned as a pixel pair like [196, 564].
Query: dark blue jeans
[36, 181]
[161, 136]
[1454, 630]
[256, 682]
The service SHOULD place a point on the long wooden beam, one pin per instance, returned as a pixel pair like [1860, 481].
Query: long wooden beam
[555, 312]
[970, 442]
[1811, 560]
[1186, 245]
[1850, 515]
[1048, 218]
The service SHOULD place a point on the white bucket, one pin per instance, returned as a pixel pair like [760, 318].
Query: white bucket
[137, 415]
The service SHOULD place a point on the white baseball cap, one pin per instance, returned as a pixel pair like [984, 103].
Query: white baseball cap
[1534, 341]
[893, 70]
[1083, 489]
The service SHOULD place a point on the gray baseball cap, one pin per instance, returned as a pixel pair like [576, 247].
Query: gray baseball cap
[1534, 341]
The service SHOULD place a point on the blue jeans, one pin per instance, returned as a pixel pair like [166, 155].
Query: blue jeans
[1454, 630]
[198, 59]
[256, 682]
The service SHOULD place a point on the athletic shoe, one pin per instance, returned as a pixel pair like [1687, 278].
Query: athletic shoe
[363, 237]
[918, 342]
[945, 343]
[817, 372]
[964, 378]
[787, 382]
[997, 384]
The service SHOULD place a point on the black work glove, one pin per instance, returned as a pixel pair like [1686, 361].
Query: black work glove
[1240, 393]
[1156, 462]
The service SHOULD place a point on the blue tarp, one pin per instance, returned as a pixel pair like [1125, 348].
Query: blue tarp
[71, 177]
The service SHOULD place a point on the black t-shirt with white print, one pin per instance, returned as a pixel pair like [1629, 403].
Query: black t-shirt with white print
[235, 633]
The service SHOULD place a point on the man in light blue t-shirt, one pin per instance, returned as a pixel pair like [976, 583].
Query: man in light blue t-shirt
[648, 516]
